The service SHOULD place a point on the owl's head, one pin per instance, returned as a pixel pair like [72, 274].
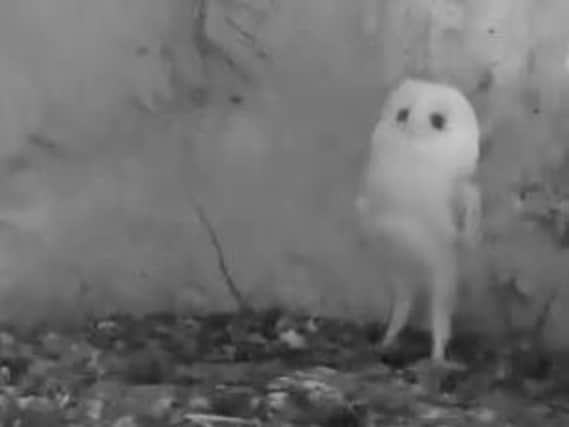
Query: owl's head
[434, 120]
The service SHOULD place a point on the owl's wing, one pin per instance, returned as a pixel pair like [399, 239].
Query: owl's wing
[467, 208]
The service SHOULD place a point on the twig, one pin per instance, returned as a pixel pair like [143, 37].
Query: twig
[543, 316]
[243, 304]
[248, 39]
[199, 25]
[44, 143]
[206, 47]
[211, 418]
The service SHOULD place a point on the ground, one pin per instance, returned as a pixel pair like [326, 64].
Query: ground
[269, 368]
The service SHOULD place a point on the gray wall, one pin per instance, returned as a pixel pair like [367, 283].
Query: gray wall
[106, 220]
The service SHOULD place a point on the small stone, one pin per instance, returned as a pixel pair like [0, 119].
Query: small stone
[126, 421]
[94, 408]
[293, 339]
[36, 403]
[199, 404]
[7, 339]
[277, 400]
[54, 345]
[433, 413]
[312, 325]
[485, 415]
[162, 406]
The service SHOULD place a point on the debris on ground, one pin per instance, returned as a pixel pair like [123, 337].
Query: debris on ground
[267, 368]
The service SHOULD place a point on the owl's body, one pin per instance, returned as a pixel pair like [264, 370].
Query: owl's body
[419, 196]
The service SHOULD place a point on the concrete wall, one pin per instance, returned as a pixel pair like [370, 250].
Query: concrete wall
[137, 127]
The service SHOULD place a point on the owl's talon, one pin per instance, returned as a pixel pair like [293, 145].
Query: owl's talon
[448, 365]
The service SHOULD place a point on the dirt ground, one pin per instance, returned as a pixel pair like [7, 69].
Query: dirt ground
[270, 368]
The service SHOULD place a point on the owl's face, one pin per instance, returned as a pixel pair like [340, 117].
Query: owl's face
[433, 120]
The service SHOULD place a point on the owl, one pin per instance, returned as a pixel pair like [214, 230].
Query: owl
[420, 198]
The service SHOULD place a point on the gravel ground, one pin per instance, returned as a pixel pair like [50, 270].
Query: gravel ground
[269, 368]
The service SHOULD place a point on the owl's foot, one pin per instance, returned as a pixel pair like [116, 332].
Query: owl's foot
[432, 374]
[448, 365]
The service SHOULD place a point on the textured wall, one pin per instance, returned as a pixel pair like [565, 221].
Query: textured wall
[104, 219]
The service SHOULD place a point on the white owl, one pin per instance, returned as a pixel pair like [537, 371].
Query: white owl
[419, 195]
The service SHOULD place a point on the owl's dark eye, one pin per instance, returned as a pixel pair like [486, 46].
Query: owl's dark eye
[402, 115]
[438, 121]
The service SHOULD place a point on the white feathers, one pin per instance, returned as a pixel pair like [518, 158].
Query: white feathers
[431, 122]
[419, 193]
[424, 153]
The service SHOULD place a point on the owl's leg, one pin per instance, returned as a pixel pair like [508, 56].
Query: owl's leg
[400, 309]
[443, 304]
[441, 313]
